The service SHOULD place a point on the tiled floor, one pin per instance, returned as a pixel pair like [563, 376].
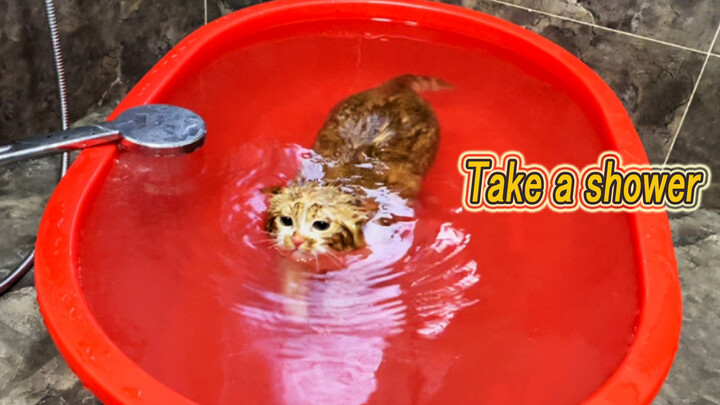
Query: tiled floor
[654, 81]
[653, 53]
[688, 24]
[699, 137]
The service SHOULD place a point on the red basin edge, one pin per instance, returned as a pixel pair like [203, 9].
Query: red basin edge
[114, 378]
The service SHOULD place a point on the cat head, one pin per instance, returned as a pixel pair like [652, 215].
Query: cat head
[311, 219]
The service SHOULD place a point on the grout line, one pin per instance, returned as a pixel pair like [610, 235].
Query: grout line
[600, 27]
[692, 96]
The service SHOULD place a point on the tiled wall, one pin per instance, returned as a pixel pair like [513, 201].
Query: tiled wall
[108, 45]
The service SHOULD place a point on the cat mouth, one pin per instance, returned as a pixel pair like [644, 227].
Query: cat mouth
[300, 255]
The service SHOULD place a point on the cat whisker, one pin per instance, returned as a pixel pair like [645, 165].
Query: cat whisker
[264, 241]
[317, 263]
[271, 242]
[334, 257]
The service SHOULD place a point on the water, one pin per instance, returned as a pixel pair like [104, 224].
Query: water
[444, 306]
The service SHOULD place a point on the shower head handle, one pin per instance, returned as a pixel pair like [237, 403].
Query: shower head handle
[155, 129]
[57, 142]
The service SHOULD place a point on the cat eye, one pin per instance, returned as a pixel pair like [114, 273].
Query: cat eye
[287, 221]
[321, 225]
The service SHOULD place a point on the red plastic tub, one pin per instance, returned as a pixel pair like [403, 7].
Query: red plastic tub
[562, 308]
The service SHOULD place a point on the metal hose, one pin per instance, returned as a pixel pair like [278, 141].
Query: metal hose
[27, 263]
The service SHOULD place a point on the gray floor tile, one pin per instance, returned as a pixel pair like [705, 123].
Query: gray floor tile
[653, 81]
[699, 138]
[695, 376]
[25, 188]
[31, 369]
[217, 8]
[682, 22]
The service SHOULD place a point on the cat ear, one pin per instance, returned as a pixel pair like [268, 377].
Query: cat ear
[271, 190]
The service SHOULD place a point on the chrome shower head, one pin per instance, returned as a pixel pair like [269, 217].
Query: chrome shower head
[156, 129]
[160, 129]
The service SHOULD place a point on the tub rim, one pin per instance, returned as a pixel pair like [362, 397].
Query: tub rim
[115, 378]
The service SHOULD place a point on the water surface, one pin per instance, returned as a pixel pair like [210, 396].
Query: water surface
[444, 307]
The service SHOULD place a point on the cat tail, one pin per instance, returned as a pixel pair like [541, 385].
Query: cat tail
[418, 83]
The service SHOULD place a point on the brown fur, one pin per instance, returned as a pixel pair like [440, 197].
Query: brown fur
[390, 129]
[310, 202]
[386, 136]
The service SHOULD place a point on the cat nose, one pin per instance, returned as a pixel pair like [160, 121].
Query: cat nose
[297, 240]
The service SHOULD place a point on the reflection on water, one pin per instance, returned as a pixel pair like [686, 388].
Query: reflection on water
[325, 333]
[179, 274]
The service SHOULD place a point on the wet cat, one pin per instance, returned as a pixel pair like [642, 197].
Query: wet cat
[387, 136]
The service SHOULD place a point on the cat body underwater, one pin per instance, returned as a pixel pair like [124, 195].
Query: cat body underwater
[387, 136]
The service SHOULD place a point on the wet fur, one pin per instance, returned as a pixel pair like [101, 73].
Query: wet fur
[390, 130]
[310, 202]
[386, 136]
